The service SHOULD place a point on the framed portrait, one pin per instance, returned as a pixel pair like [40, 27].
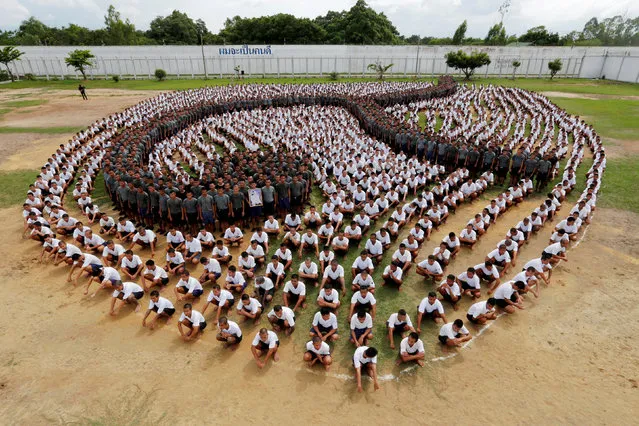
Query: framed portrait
[255, 197]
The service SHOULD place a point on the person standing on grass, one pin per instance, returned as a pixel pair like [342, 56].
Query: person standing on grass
[83, 91]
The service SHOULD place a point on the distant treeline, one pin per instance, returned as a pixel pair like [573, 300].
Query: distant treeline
[359, 25]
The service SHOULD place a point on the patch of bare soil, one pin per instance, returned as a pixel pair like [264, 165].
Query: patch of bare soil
[618, 148]
[589, 96]
[26, 150]
[66, 108]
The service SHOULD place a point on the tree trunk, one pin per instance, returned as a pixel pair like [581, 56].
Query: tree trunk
[10, 73]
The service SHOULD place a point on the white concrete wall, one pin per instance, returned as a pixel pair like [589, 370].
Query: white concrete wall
[620, 63]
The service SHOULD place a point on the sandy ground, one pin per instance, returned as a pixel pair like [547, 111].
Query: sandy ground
[589, 96]
[571, 357]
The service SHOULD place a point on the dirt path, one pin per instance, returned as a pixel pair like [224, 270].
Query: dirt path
[589, 96]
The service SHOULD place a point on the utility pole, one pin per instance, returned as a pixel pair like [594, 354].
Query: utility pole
[206, 75]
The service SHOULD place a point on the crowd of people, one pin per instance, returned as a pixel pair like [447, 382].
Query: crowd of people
[183, 182]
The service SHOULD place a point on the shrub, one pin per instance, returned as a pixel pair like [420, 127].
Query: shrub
[334, 76]
[4, 76]
[115, 78]
[160, 74]
[29, 77]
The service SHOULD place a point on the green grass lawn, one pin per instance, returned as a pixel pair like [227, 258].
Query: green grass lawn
[41, 130]
[14, 186]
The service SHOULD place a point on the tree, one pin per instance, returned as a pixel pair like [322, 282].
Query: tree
[160, 74]
[516, 64]
[80, 59]
[118, 32]
[460, 33]
[379, 69]
[554, 67]
[362, 25]
[539, 36]
[496, 35]
[460, 60]
[176, 28]
[8, 55]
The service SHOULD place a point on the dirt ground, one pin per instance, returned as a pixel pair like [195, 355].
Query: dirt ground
[571, 357]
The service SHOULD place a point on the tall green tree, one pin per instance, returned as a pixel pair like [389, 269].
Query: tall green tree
[460, 33]
[118, 31]
[496, 35]
[466, 63]
[8, 55]
[80, 59]
[554, 67]
[539, 36]
[380, 69]
[365, 26]
[176, 28]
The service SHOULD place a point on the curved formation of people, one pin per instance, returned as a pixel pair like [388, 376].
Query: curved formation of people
[244, 160]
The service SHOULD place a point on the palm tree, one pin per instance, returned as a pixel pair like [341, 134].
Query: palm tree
[379, 69]
[8, 55]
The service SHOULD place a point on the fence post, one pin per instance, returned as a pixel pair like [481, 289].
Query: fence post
[177, 64]
[603, 63]
[146, 59]
[62, 68]
[105, 69]
[321, 64]
[292, 67]
[278, 67]
[581, 64]
[306, 67]
[363, 65]
[220, 62]
[135, 73]
[405, 65]
[623, 58]
[527, 67]
[46, 69]
[432, 68]
[540, 67]
[568, 67]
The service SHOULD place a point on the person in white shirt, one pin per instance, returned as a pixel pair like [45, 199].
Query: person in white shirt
[265, 343]
[272, 226]
[234, 280]
[220, 298]
[153, 275]
[249, 308]
[325, 325]
[310, 241]
[264, 290]
[246, 265]
[363, 300]
[233, 235]
[312, 219]
[556, 252]
[308, 272]
[107, 225]
[507, 296]
[500, 258]
[452, 244]
[402, 258]
[131, 265]
[193, 321]
[294, 293]
[469, 283]
[317, 350]
[87, 263]
[362, 263]
[230, 332]
[192, 249]
[328, 298]
[482, 312]
[334, 275]
[93, 243]
[112, 253]
[221, 253]
[282, 318]
[206, 239]
[292, 239]
[174, 262]
[430, 307]
[365, 357]
[144, 238]
[454, 333]
[257, 251]
[363, 279]
[488, 272]
[212, 270]
[450, 291]
[392, 275]
[430, 269]
[468, 236]
[275, 271]
[442, 255]
[125, 229]
[411, 348]
[361, 328]
[541, 266]
[127, 292]
[354, 234]
[398, 323]
[108, 278]
[188, 287]
[162, 307]
[374, 248]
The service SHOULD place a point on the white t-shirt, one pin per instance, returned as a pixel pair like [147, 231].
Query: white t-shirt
[405, 347]
[332, 298]
[331, 322]
[127, 288]
[271, 339]
[426, 307]
[479, 308]
[300, 290]
[394, 321]
[191, 284]
[161, 304]
[310, 270]
[222, 298]
[252, 307]
[234, 329]
[146, 238]
[287, 315]
[359, 359]
[435, 268]
[447, 330]
[334, 274]
[324, 349]
[356, 324]
[195, 319]
[472, 282]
